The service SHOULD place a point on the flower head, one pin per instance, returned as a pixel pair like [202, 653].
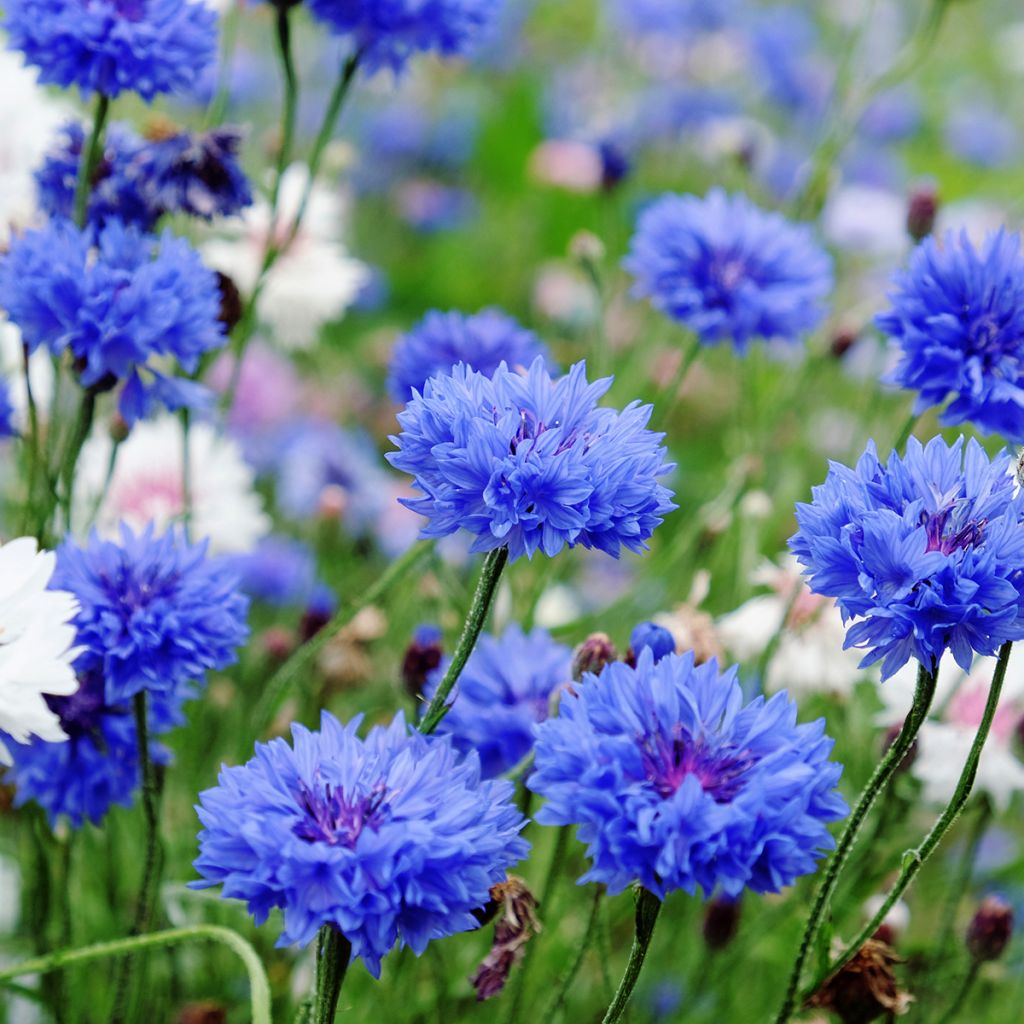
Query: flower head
[957, 317]
[391, 838]
[442, 340]
[36, 638]
[389, 32]
[280, 571]
[532, 463]
[726, 269]
[97, 765]
[925, 552]
[503, 692]
[118, 300]
[154, 611]
[114, 46]
[675, 784]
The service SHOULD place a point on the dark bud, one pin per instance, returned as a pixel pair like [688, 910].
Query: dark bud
[885, 933]
[890, 739]
[314, 618]
[615, 166]
[990, 929]
[203, 1013]
[106, 383]
[516, 914]
[865, 989]
[648, 634]
[230, 302]
[842, 341]
[592, 655]
[921, 211]
[278, 643]
[422, 657]
[118, 428]
[721, 923]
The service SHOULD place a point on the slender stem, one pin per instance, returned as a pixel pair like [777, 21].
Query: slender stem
[483, 598]
[953, 1013]
[582, 948]
[289, 108]
[299, 664]
[914, 860]
[764, 662]
[34, 449]
[150, 872]
[186, 473]
[923, 696]
[905, 431]
[90, 159]
[258, 984]
[648, 906]
[333, 953]
[324, 136]
[546, 895]
[673, 390]
[97, 504]
[222, 96]
[79, 433]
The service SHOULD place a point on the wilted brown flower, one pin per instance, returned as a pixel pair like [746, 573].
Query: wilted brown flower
[865, 988]
[516, 910]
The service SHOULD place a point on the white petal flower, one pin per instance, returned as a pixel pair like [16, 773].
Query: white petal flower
[147, 485]
[314, 279]
[36, 638]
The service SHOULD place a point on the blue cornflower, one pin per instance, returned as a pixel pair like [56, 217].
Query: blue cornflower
[137, 182]
[532, 463]
[389, 32]
[97, 766]
[958, 318]
[503, 692]
[392, 839]
[726, 269]
[7, 412]
[113, 195]
[280, 571]
[155, 611]
[119, 300]
[114, 46]
[656, 638]
[442, 340]
[675, 784]
[925, 552]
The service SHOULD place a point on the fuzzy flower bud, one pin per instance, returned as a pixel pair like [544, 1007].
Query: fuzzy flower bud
[990, 929]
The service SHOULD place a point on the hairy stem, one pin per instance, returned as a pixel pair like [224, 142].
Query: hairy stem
[648, 906]
[880, 777]
[333, 953]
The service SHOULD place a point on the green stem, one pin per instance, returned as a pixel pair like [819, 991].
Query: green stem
[582, 947]
[953, 1013]
[229, 40]
[923, 696]
[79, 434]
[672, 391]
[648, 906]
[324, 136]
[259, 987]
[301, 662]
[34, 448]
[482, 599]
[905, 431]
[186, 473]
[289, 108]
[90, 159]
[764, 662]
[150, 872]
[333, 953]
[914, 860]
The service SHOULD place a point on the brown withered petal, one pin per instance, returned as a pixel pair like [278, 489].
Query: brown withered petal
[203, 1013]
[517, 924]
[866, 988]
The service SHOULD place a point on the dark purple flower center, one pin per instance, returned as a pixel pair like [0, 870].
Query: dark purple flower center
[333, 818]
[132, 10]
[951, 529]
[719, 769]
[81, 712]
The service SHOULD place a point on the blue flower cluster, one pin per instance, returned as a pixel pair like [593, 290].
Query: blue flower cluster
[503, 692]
[676, 784]
[926, 552]
[113, 46]
[443, 340]
[391, 838]
[280, 571]
[154, 611]
[389, 32]
[532, 463]
[958, 318]
[118, 299]
[726, 269]
[97, 767]
[139, 181]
